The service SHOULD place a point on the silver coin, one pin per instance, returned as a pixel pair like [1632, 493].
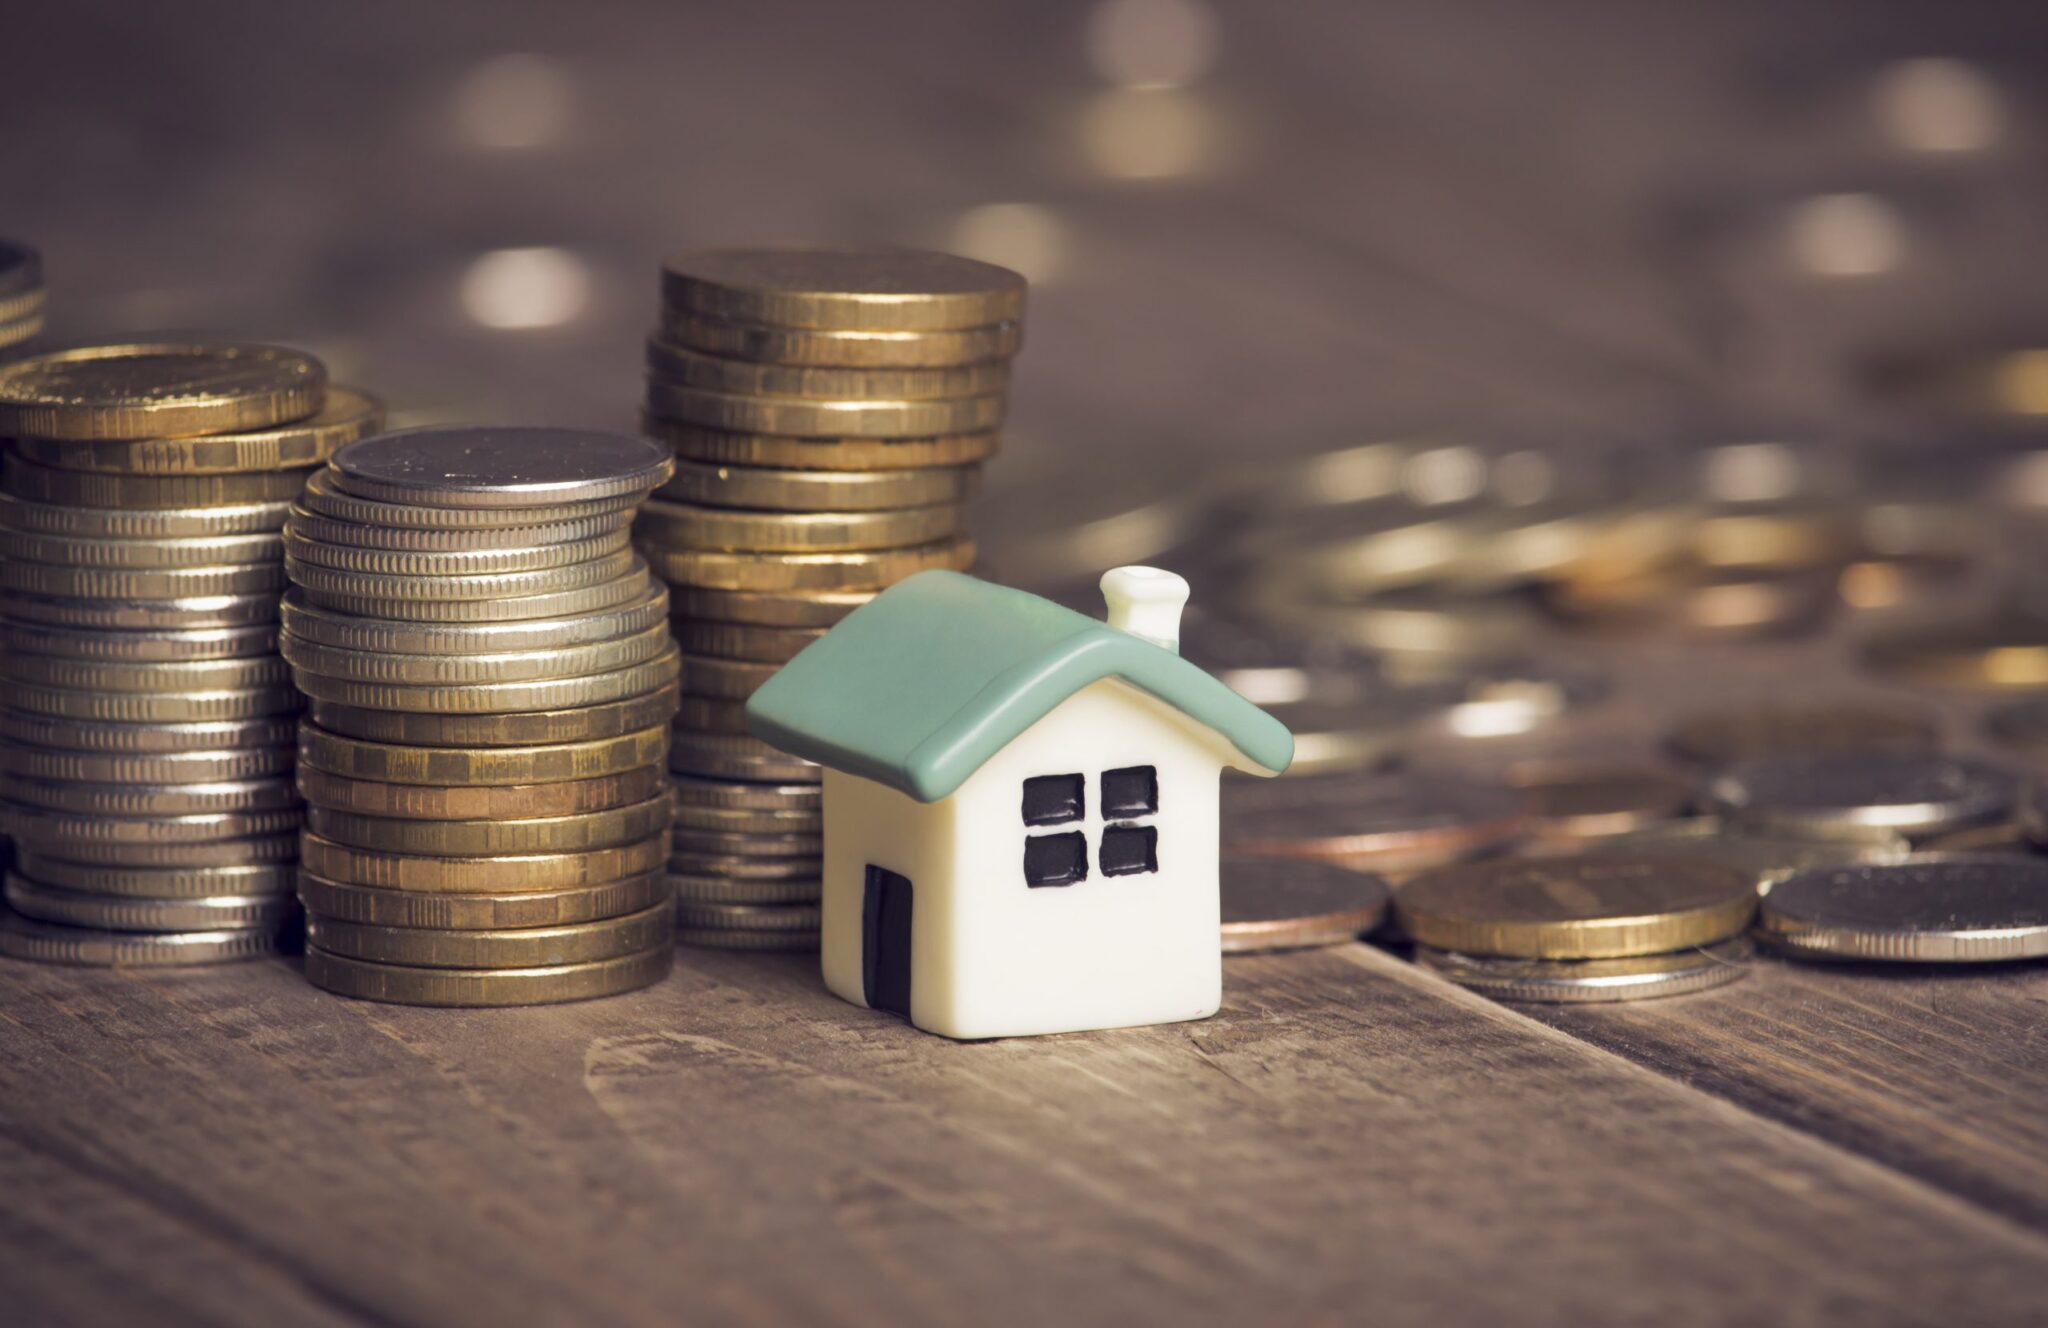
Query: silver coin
[77, 908]
[703, 914]
[1765, 858]
[51, 943]
[197, 611]
[723, 890]
[167, 647]
[1910, 793]
[1587, 981]
[250, 878]
[1964, 908]
[462, 466]
[107, 736]
[1289, 904]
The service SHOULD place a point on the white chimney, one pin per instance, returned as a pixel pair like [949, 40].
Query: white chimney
[1146, 602]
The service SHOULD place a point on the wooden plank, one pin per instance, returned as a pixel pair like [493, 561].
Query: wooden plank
[735, 1146]
[1938, 1072]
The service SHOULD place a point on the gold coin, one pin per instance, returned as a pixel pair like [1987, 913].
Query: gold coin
[79, 735]
[499, 467]
[17, 330]
[1995, 655]
[498, 698]
[129, 523]
[492, 767]
[348, 414]
[735, 756]
[51, 943]
[46, 826]
[482, 912]
[154, 707]
[408, 669]
[766, 608]
[71, 551]
[748, 821]
[908, 289]
[323, 497]
[810, 418]
[121, 583]
[1596, 907]
[738, 867]
[341, 587]
[50, 837]
[679, 364]
[249, 878]
[783, 572]
[748, 917]
[483, 838]
[458, 563]
[748, 844]
[1773, 538]
[507, 607]
[745, 795]
[530, 729]
[517, 873]
[75, 908]
[516, 947]
[191, 644]
[512, 802]
[725, 448]
[725, 679]
[704, 714]
[179, 768]
[1769, 728]
[85, 488]
[100, 799]
[487, 987]
[843, 347]
[309, 624]
[184, 676]
[718, 890]
[713, 938]
[765, 490]
[742, 641]
[670, 525]
[355, 535]
[149, 615]
[157, 390]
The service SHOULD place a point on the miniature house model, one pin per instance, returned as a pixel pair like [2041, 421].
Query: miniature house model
[1020, 804]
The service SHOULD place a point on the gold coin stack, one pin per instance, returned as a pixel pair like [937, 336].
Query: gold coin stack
[146, 729]
[21, 293]
[829, 412]
[489, 679]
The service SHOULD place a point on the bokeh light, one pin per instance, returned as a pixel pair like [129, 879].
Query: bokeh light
[525, 288]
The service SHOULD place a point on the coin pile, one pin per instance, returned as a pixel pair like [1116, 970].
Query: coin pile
[1592, 928]
[146, 730]
[829, 412]
[489, 679]
[21, 293]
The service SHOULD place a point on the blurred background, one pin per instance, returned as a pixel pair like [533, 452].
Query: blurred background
[1585, 259]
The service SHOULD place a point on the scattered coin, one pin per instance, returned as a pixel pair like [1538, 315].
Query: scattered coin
[1590, 907]
[1385, 822]
[1288, 904]
[1993, 655]
[1929, 910]
[1591, 802]
[1586, 981]
[1907, 792]
[1764, 729]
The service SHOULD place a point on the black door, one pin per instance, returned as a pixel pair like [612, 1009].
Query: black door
[885, 942]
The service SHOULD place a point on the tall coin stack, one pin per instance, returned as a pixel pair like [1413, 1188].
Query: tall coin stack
[829, 412]
[490, 679]
[21, 293]
[146, 726]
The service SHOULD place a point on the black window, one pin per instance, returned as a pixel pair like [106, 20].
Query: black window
[1055, 859]
[1052, 799]
[1129, 849]
[1132, 791]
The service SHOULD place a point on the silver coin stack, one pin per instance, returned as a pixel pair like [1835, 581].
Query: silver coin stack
[490, 680]
[146, 730]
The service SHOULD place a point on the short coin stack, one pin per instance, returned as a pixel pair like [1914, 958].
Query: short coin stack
[829, 412]
[21, 293]
[490, 680]
[147, 722]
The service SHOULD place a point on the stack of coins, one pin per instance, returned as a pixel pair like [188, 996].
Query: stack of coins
[146, 730]
[829, 412]
[490, 680]
[21, 293]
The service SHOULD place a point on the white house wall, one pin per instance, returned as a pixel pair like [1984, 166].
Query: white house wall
[866, 822]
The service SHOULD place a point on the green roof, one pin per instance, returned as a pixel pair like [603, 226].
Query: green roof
[920, 686]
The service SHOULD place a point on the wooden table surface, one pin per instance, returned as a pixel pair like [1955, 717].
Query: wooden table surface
[1547, 222]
